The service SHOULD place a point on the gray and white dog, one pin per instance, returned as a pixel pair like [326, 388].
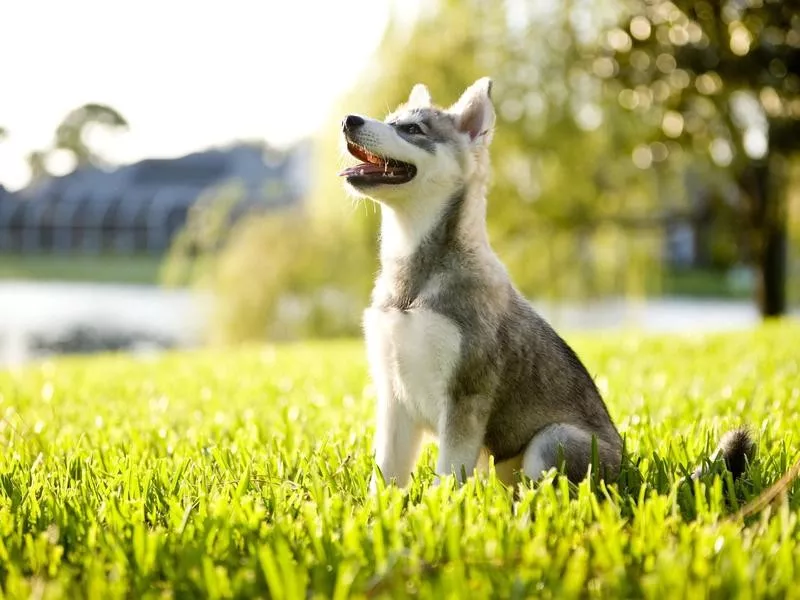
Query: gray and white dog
[454, 349]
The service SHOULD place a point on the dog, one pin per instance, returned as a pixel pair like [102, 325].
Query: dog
[453, 347]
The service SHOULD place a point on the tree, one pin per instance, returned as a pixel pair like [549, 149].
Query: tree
[723, 79]
[557, 171]
[70, 135]
[569, 211]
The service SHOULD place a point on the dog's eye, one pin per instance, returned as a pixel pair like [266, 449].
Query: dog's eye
[411, 129]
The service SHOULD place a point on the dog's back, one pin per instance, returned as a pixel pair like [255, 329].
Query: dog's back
[543, 383]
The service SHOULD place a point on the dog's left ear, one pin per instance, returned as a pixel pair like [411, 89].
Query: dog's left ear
[420, 97]
[474, 111]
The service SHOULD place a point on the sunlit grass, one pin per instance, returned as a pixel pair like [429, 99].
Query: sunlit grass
[244, 474]
[106, 268]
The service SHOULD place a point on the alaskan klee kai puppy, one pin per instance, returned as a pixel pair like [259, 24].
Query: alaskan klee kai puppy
[453, 347]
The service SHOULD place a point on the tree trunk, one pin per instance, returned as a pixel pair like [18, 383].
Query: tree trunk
[772, 292]
[762, 184]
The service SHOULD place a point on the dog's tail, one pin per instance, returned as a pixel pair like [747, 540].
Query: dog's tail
[737, 448]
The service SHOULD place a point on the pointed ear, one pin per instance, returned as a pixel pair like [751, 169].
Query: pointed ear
[420, 97]
[474, 111]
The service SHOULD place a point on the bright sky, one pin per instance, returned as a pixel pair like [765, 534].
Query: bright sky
[185, 74]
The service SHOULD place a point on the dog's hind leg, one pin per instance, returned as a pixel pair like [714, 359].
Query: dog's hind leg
[572, 445]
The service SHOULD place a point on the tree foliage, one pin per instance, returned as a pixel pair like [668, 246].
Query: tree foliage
[269, 275]
[722, 81]
[71, 134]
[561, 152]
[604, 117]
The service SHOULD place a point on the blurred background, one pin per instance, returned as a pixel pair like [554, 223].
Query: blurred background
[168, 170]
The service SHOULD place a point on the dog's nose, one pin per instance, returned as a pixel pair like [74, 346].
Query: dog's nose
[352, 122]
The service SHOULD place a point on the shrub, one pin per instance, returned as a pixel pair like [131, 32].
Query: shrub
[277, 275]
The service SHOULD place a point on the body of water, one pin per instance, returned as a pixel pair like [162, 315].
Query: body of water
[38, 319]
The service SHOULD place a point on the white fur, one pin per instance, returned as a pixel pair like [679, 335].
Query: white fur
[410, 210]
[403, 229]
[412, 356]
[419, 97]
[459, 449]
[417, 351]
[398, 437]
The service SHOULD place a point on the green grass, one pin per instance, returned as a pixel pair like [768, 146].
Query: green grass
[145, 269]
[244, 474]
[100, 268]
[701, 283]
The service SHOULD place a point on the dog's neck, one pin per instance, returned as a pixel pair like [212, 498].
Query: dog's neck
[458, 218]
[422, 247]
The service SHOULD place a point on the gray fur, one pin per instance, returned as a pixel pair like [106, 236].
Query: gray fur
[507, 382]
[513, 376]
[438, 127]
[571, 447]
[516, 373]
[737, 448]
[439, 255]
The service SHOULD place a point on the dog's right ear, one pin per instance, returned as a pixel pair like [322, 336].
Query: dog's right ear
[474, 111]
[420, 97]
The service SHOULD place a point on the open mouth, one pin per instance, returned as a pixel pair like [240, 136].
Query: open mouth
[376, 169]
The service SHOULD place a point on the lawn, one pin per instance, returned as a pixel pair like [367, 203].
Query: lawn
[243, 473]
[139, 269]
[145, 269]
[701, 283]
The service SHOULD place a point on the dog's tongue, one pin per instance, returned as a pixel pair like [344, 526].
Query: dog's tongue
[363, 169]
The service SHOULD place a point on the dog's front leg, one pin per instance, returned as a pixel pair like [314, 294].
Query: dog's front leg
[461, 436]
[397, 440]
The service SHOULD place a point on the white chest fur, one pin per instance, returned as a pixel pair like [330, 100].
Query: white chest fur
[413, 355]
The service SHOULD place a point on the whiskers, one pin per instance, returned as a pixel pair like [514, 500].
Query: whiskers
[343, 154]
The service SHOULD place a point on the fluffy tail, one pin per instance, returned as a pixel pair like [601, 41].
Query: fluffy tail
[737, 448]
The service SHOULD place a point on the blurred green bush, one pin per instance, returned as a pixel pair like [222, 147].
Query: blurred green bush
[589, 169]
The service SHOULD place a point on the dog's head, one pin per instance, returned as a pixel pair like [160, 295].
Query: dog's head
[421, 150]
